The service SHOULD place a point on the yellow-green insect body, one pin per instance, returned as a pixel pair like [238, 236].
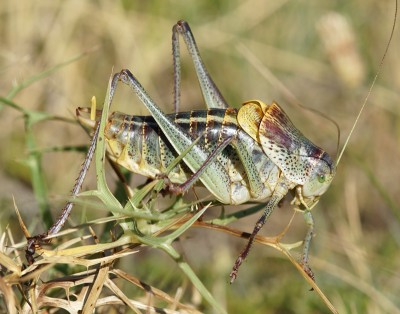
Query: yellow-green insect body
[253, 153]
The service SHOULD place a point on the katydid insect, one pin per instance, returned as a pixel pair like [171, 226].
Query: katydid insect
[254, 153]
[251, 153]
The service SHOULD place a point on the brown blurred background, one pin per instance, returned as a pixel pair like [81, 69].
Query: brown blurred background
[321, 54]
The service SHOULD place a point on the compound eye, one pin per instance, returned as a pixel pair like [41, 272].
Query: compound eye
[321, 178]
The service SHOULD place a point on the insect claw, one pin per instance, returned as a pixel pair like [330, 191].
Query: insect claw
[235, 269]
[169, 185]
[32, 244]
[233, 277]
[175, 189]
[30, 251]
[182, 24]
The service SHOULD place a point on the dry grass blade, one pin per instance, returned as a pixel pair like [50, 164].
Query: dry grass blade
[385, 303]
[9, 296]
[153, 290]
[21, 222]
[91, 281]
[96, 287]
[313, 284]
[10, 264]
[118, 292]
[284, 248]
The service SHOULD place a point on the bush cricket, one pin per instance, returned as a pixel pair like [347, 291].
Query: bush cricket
[253, 153]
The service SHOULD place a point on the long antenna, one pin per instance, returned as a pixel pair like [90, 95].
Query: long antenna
[372, 85]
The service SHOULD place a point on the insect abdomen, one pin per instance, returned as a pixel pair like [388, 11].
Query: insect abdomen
[138, 144]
